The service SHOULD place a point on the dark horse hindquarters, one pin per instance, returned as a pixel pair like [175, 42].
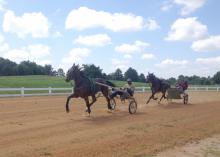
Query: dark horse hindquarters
[85, 87]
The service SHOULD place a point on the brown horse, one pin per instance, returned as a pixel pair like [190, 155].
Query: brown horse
[157, 85]
[85, 87]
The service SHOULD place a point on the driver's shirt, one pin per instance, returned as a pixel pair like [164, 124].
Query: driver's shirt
[131, 86]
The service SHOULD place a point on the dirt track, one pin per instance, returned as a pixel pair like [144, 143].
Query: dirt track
[39, 126]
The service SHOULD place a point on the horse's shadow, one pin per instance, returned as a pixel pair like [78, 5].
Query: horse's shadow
[109, 118]
[172, 105]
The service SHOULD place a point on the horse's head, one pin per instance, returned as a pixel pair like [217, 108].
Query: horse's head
[73, 73]
[150, 77]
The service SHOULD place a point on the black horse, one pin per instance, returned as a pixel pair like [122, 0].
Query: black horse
[157, 85]
[85, 87]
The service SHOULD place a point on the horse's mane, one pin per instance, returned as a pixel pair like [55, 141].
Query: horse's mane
[75, 68]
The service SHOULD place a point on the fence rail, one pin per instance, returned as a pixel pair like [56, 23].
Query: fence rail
[10, 92]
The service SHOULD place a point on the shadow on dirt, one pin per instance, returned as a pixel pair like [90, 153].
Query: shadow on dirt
[173, 105]
[110, 117]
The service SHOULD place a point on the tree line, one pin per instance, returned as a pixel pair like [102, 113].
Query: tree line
[9, 68]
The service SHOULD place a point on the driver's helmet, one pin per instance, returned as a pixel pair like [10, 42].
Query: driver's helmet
[129, 81]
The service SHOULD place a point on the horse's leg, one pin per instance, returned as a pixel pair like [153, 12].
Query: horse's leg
[108, 101]
[67, 101]
[151, 97]
[88, 105]
[93, 100]
[105, 92]
[163, 96]
[154, 97]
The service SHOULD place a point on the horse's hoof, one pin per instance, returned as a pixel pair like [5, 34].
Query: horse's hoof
[109, 111]
[67, 111]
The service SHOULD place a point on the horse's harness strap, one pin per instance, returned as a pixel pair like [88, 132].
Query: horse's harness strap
[92, 85]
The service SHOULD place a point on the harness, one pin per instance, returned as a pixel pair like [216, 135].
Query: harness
[92, 86]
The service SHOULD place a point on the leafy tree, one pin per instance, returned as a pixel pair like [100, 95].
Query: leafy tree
[104, 75]
[172, 81]
[110, 76]
[48, 69]
[60, 72]
[117, 75]
[142, 78]
[216, 78]
[25, 68]
[7, 67]
[132, 74]
[92, 71]
[181, 78]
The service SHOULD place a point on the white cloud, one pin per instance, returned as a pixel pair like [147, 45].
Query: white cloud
[137, 47]
[17, 55]
[173, 68]
[189, 6]
[36, 53]
[3, 45]
[121, 64]
[147, 56]
[76, 55]
[152, 25]
[210, 44]
[207, 66]
[170, 62]
[84, 18]
[127, 56]
[35, 24]
[43, 62]
[2, 3]
[187, 29]
[167, 5]
[57, 34]
[209, 61]
[94, 40]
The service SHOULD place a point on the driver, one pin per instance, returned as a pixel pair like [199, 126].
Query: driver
[182, 86]
[128, 88]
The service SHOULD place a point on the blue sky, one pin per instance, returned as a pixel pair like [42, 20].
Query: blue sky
[167, 37]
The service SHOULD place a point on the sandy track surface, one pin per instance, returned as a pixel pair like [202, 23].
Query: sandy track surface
[209, 147]
[39, 126]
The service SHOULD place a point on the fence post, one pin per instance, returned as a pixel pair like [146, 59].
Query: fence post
[207, 88]
[143, 89]
[50, 90]
[22, 91]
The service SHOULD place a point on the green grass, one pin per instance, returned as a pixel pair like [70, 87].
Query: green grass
[39, 81]
[121, 83]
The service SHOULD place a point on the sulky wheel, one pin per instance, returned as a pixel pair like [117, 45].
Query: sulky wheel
[185, 99]
[132, 107]
[112, 104]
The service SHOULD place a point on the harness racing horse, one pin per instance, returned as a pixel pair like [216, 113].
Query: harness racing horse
[85, 87]
[157, 85]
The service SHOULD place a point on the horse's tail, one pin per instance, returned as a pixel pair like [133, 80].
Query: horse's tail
[109, 83]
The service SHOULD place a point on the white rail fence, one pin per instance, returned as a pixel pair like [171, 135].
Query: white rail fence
[12, 92]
